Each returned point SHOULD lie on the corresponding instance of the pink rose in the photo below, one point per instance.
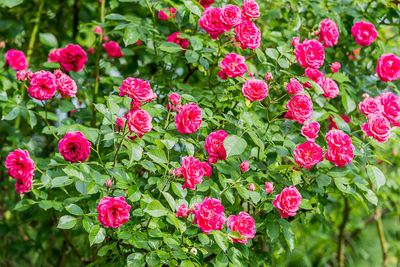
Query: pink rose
(294, 87)
(16, 59)
(113, 211)
(329, 33)
(255, 90)
(388, 68)
(23, 185)
(378, 127)
(207, 169)
(21, 75)
(54, 55)
(193, 172)
(139, 121)
(173, 38)
(252, 187)
(234, 65)
(250, 9)
(20, 165)
(315, 75)
(391, 106)
(108, 183)
(370, 106)
(364, 33)
(119, 125)
(2, 44)
(162, 15)
(269, 187)
(310, 54)
(231, 16)
(43, 85)
(182, 211)
(66, 86)
(206, 3)
(308, 154)
(269, 76)
(341, 149)
(211, 22)
(90, 50)
(174, 98)
(335, 67)
(212, 159)
(188, 120)
(136, 89)
(209, 215)
(244, 166)
(248, 35)
(244, 224)
(310, 130)
(98, 30)
(331, 89)
(215, 145)
(113, 49)
(72, 58)
(74, 147)
(295, 41)
(300, 109)
(222, 75)
(288, 201)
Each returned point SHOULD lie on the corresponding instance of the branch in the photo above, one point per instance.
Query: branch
(342, 227)
(382, 238)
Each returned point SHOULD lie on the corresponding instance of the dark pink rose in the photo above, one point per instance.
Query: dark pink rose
(308, 154)
(21, 75)
(212, 159)
(98, 30)
(310, 54)
(20, 165)
(113, 211)
(174, 98)
(182, 211)
(331, 89)
(244, 224)
(222, 75)
(211, 22)
(72, 58)
(250, 9)
(215, 145)
(390, 106)
(329, 33)
(206, 3)
(119, 125)
(108, 183)
(16, 59)
(188, 120)
(288, 201)
(248, 35)
(74, 147)
(341, 149)
(113, 49)
(315, 75)
(388, 68)
(234, 65)
(252, 187)
(162, 15)
(269, 187)
(193, 172)
(335, 67)
(23, 185)
(209, 215)
(378, 127)
(43, 85)
(300, 109)
(66, 86)
(255, 90)
(139, 121)
(207, 169)
(136, 89)
(310, 130)
(244, 166)
(173, 38)
(231, 16)
(268, 76)
(295, 41)
(294, 87)
(364, 33)
(370, 106)
(54, 55)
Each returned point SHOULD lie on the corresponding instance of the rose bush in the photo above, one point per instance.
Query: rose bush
(199, 133)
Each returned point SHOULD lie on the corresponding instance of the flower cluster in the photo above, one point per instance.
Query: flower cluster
(341, 149)
(21, 167)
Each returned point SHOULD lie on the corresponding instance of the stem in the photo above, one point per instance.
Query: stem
(47, 122)
(382, 238)
(97, 70)
(120, 145)
(341, 247)
(167, 122)
(154, 27)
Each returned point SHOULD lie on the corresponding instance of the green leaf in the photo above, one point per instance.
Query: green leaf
(66, 222)
(177, 188)
(288, 234)
(222, 260)
(131, 36)
(12, 114)
(376, 176)
(193, 8)
(234, 145)
(221, 239)
(97, 235)
(340, 77)
(348, 103)
(157, 155)
(323, 180)
(135, 152)
(273, 230)
(10, 3)
(48, 39)
(272, 53)
(191, 56)
(156, 209)
(74, 209)
(318, 89)
(135, 260)
(170, 47)
(170, 199)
